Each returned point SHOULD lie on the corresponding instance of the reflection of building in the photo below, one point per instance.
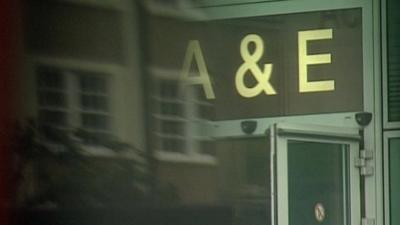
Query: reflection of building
(81, 78)
(81, 86)
(67, 95)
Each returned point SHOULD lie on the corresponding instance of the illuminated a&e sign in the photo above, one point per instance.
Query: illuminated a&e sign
(303, 63)
(262, 75)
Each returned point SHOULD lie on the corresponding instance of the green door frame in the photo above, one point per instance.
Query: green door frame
(280, 136)
(387, 137)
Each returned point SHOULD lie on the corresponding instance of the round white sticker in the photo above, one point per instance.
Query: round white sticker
(319, 212)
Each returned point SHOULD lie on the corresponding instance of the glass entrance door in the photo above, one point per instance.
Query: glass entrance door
(314, 179)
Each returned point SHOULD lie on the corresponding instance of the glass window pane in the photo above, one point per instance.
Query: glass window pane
(394, 180)
(168, 89)
(55, 118)
(393, 47)
(168, 108)
(173, 127)
(94, 102)
(52, 98)
(95, 121)
(317, 176)
(92, 83)
(48, 77)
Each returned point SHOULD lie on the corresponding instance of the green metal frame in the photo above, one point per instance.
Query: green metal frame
(281, 134)
(387, 136)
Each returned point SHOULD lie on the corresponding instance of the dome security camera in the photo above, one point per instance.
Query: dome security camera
(363, 118)
(248, 126)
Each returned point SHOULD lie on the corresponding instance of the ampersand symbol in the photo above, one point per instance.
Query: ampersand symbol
(250, 64)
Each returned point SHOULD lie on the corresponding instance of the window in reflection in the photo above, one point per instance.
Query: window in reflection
(70, 99)
(180, 119)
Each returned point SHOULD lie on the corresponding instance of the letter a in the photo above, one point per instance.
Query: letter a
(193, 50)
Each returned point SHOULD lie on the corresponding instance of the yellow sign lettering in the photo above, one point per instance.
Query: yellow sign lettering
(305, 60)
(250, 64)
(202, 78)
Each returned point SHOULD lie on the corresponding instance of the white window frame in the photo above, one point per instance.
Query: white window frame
(190, 120)
(110, 70)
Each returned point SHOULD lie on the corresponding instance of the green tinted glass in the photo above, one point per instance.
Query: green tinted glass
(394, 179)
(393, 44)
(244, 179)
(318, 183)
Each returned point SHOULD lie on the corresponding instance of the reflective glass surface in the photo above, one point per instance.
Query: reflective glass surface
(393, 62)
(394, 180)
(119, 105)
(318, 185)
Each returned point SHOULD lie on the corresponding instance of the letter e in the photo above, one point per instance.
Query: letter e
(305, 60)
